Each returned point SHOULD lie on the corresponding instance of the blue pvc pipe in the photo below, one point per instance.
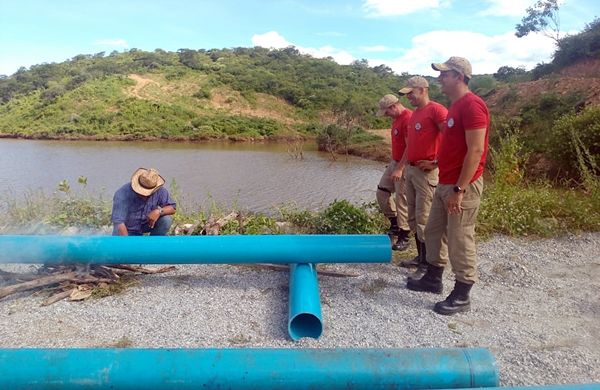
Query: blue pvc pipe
(278, 249)
(184, 369)
(304, 319)
(589, 386)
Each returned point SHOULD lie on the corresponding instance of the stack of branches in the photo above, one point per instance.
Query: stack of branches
(212, 227)
(76, 281)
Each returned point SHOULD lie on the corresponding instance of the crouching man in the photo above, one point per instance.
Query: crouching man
(143, 206)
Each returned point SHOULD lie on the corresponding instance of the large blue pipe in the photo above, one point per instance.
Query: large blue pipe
(184, 369)
(278, 249)
(304, 318)
(588, 386)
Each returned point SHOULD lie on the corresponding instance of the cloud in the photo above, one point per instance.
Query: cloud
(274, 40)
(271, 40)
(506, 8)
(486, 53)
(339, 56)
(383, 8)
(112, 42)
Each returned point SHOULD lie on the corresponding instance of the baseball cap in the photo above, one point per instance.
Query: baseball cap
(459, 64)
(386, 102)
(414, 82)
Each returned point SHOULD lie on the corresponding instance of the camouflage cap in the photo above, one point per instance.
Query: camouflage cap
(414, 82)
(459, 64)
(386, 102)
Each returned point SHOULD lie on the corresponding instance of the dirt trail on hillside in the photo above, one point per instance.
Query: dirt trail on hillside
(274, 108)
(140, 83)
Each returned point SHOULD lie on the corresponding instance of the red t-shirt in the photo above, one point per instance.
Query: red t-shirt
(423, 132)
(467, 113)
(399, 134)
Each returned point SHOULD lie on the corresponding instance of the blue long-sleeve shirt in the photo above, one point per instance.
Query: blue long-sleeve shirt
(132, 210)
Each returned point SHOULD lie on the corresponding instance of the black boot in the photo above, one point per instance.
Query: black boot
(418, 258)
(430, 282)
(402, 241)
(394, 229)
(422, 265)
(457, 302)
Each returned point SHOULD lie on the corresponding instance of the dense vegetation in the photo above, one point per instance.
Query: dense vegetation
(92, 96)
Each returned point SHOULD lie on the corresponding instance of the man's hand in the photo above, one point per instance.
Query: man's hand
(153, 216)
(426, 165)
(122, 229)
(454, 203)
(397, 174)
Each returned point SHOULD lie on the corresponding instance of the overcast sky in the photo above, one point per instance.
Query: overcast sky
(405, 35)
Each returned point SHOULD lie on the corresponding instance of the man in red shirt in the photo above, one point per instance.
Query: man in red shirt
(421, 173)
(391, 181)
(461, 160)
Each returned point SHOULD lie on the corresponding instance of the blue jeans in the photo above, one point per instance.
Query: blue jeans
(161, 227)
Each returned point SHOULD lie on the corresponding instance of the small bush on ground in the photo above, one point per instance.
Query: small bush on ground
(575, 141)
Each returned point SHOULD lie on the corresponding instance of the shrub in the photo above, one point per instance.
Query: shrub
(342, 217)
(575, 141)
(482, 85)
(578, 47)
(333, 138)
(203, 94)
(508, 156)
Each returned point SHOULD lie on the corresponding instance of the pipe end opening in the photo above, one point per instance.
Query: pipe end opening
(305, 325)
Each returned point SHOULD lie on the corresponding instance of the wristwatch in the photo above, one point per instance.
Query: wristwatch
(459, 190)
(160, 210)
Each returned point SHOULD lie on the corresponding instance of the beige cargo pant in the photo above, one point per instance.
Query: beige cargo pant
(419, 187)
(392, 206)
(458, 231)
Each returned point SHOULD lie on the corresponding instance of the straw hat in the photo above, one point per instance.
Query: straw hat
(146, 181)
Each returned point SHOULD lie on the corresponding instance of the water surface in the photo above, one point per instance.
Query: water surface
(256, 177)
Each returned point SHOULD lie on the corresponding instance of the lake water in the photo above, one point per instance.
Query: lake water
(255, 177)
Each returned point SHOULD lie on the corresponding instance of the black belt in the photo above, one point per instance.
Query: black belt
(414, 163)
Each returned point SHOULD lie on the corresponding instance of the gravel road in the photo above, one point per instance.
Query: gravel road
(536, 307)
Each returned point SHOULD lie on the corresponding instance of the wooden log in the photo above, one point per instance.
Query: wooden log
(58, 297)
(143, 270)
(212, 226)
(285, 268)
(41, 282)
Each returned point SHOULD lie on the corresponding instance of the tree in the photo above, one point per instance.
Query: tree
(541, 17)
(506, 73)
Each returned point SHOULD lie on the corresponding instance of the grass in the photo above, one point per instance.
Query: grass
(125, 282)
(514, 207)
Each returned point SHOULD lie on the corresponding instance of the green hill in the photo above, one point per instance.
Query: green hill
(242, 93)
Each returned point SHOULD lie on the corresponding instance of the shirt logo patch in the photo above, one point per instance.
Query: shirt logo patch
(396, 132)
(450, 122)
(418, 126)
